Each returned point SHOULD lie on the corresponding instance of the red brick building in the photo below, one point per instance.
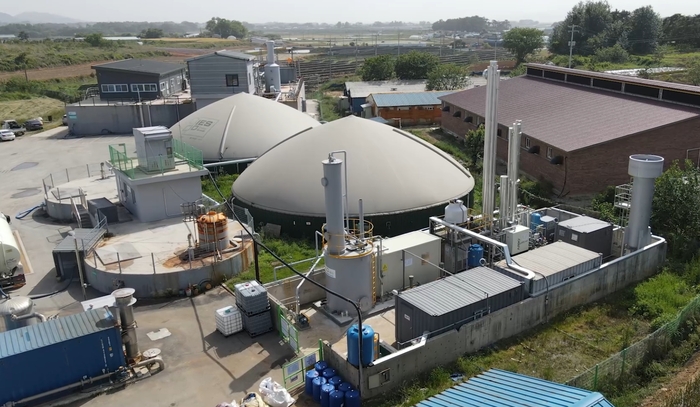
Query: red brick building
(408, 109)
(580, 127)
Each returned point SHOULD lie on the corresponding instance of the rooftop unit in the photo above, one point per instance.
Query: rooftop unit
(588, 233)
(154, 148)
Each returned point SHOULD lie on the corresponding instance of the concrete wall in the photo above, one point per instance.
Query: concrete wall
(394, 370)
(150, 202)
(101, 119)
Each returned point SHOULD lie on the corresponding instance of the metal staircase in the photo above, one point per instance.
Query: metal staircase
(83, 217)
(623, 202)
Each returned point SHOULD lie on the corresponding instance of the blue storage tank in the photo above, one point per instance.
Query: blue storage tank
(535, 220)
(337, 398)
(43, 357)
(326, 391)
(354, 345)
(328, 373)
(352, 398)
(344, 387)
(320, 367)
(474, 256)
(308, 383)
(335, 380)
(317, 383)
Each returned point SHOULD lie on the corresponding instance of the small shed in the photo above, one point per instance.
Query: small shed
(498, 388)
(588, 233)
(453, 301)
(64, 256)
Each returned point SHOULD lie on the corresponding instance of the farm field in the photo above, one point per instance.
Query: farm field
(22, 110)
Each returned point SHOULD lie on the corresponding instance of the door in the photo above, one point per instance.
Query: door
(406, 331)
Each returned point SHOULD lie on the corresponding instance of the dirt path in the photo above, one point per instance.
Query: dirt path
(680, 379)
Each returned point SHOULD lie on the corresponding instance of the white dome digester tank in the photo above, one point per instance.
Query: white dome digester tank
(349, 257)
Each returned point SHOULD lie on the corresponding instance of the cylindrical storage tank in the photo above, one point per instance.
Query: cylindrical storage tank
(337, 398)
(213, 231)
(535, 220)
(9, 250)
(474, 256)
(332, 183)
(345, 387)
(456, 212)
(308, 384)
(16, 306)
(351, 276)
(644, 170)
(320, 367)
(335, 381)
(328, 373)
(326, 391)
(316, 392)
(354, 345)
(352, 398)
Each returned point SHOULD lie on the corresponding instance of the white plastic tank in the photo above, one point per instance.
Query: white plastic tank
(456, 212)
(9, 250)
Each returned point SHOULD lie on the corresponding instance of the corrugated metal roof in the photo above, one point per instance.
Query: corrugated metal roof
(226, 53)
(548, 108)
(52, 332)
(86, 235)
(552, 258)
(584, 224)
(142, 66)
(458, 291)
(498, 388)
(364, 89)
(408, 99)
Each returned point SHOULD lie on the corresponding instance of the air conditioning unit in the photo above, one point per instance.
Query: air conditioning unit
(518, 239)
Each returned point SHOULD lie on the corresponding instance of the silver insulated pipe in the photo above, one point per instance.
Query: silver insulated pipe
(270, 52)
(332, 182)
(644, 170)
(513, 169)
(490, 133)
(125, 302)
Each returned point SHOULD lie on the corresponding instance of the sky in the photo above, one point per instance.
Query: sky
(366, 11)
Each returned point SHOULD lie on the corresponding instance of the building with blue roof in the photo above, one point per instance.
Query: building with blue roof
(499, 388)
(406, 108)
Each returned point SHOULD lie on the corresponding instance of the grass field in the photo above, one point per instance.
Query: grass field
(22, 110)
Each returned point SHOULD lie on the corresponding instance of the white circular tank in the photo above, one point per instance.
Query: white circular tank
(456, 212)
(17, 307)
(9, 250)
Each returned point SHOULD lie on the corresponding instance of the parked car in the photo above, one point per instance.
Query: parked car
(64, 120)
(33, 124)
(7, 135)
(13, 126)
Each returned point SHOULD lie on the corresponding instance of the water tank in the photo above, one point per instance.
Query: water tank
(326, 391)
(17, 306)
(308, 383)
(317, 383)
(337, 398)
(476, 253)
(456, 212)
(213, 231)
(350, 275)
(352, 398)
(9, 250)
(535, 221)
(354, 345)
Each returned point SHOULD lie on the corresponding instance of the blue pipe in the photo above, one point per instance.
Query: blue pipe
(24, 214)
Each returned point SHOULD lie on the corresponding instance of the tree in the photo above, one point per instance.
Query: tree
(693, 72)
(23, 36)
(225, 28)
(23, 60)
(615, 54)
(645, 31)
(95, 39)
(448, 77)
(415, 65)
(379, 68)
(592, 20)
(499, 26)
(152, 33)
(474, 146)
(469, 24)
(523, 41)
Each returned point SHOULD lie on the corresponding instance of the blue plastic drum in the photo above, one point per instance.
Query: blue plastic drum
(335, 381)
(337, 398)
(317, 383)
(344, 387)
(326, 391)
(352, 398)
(328, 373)
(320, 367)
(308, 384)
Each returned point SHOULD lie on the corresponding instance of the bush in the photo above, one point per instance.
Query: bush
(660, 298)
(576, 61)
(615, 54)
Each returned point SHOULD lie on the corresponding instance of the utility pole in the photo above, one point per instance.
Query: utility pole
(572, 43)
(398, 45)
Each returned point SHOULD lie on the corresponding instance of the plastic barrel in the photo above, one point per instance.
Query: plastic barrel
(317, 383)
(337, 398)
(474, 256)
(344, 387)
(335, 381)
(535, 220)
(367, 345)
(308, 384)
(352, 398)
(326, 391)
(328, 373)
(320, 366)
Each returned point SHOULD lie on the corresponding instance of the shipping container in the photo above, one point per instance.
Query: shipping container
(588, 233)
(44, 357)
(453, 301)
(557, 262)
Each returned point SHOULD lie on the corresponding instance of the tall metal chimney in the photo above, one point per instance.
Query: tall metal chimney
(273, 80)
(514, 141)
(644, 170)
(504, 193)
(270, 52)
(491, 125)
(125, 302)
(332, 182)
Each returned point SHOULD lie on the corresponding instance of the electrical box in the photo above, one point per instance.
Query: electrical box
(549, 223)
(154, 148)
(518, 239)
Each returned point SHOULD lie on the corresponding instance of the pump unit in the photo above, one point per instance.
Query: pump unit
(518, 239)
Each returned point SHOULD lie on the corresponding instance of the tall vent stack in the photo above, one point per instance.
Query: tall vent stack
(332, 182)
(644, 170)
(125, 302)
(489, 162)
(273, 79)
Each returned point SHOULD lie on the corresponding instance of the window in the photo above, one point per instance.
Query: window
(114, 88)
(499, 133)
(527, 142)
(428, 107)
(179, 80)
(550, 153)
(478, 121)
(231, 80)
(402, 108)
(172, 82)
(469, 119)
(144, 87)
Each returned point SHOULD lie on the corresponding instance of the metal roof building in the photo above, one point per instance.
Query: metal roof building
(240, 126)
(357, 92)
(498, 388)
(401, 179)
(140, 66)
(408, 99)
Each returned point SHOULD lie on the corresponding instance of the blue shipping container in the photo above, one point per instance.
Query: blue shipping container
(56, 353)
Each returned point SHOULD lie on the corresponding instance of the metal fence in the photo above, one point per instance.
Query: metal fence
(72, 174)
(622, 367)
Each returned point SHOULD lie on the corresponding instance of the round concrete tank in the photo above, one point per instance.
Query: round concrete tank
(213, 231)
(644, 170)
(11, 309)
(351, 276)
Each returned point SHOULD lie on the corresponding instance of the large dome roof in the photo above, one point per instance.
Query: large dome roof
(240, 126)
(390, 170)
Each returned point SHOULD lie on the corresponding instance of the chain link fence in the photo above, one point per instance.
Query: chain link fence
(622, 367)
